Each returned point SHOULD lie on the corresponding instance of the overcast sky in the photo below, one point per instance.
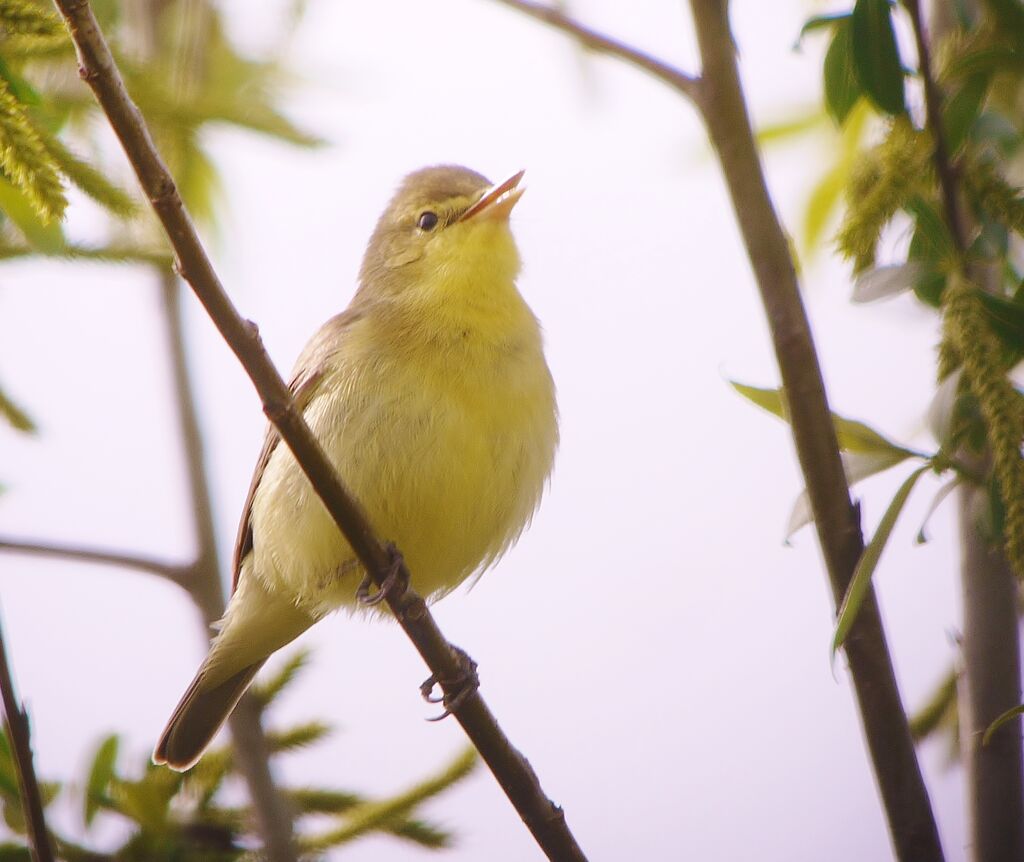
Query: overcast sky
(650, 644)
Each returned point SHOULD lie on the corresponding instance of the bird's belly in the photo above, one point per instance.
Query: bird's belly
(449, 473)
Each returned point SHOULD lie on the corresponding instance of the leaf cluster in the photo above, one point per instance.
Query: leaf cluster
(186, 816)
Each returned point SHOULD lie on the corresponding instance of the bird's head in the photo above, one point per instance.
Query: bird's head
(445, 232)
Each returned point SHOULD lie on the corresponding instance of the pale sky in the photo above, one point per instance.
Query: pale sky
(650, 644)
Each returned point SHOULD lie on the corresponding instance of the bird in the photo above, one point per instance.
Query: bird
(431, 396)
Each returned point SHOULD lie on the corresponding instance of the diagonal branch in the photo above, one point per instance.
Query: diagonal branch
(17, 727)
(544, 819)
(178, 574)
(602, 44)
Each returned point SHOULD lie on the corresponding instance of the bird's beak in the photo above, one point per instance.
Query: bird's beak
(497, 202)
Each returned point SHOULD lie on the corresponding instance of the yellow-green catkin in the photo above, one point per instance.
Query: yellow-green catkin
(995, 195)
(984, 372)
(888, 176)
(27, 18)
(25, 161)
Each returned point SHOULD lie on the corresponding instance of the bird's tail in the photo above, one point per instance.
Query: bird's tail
(256, 624)
(198, 717)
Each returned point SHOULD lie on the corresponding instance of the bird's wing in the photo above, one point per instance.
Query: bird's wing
(308, 373)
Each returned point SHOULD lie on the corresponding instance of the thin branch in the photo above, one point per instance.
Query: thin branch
(178, 574)
(602, 44)
(16, 725)
(719, 97)
(543, 818)
(933, 118)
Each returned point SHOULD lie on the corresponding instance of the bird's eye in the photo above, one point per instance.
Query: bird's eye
(427, 220)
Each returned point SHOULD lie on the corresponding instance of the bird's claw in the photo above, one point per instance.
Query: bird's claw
(454, 691)
(394, 584)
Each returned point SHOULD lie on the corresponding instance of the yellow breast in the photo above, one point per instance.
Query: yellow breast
(446, 438)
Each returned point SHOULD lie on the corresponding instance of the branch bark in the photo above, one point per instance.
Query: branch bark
(177, 574)
(16, 725)
(544, 819)
(602, 44)
(990, 682)
(718, 95)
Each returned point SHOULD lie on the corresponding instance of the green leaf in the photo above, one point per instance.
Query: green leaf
(1005, 718)
(1010, 15)
(47, 238)
(268, 690)
(853, 436)
(822, 203)
(100, 774)
(937, 500)
(857, 467)
(25, 161)
(962, 109)
(842, 88)
(297, 737)
(936, 712)
(15, 416)
(882, 282)
(861, 581)
(384, 815)
(821, 22)
(14, 853)
(90, 180)
(790, 128)
(932, 247)
(1006, 318)
(876, 57)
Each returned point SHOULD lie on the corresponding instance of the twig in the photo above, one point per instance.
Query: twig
(178, 574)
(544, 819)
(602, 44)
(16, 725)
(271, 810)
(933, 118)
(718, 95)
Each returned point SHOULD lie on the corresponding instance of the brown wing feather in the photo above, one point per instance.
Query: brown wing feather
(306, 377)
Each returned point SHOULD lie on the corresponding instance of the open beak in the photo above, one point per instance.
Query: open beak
(498, 201)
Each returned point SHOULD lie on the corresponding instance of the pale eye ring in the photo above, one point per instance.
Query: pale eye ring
(427, 220)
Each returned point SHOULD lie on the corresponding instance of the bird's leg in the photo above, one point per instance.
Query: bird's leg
(394, 584)
(454, 691)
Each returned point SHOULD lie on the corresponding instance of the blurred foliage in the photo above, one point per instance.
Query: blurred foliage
(171, 816)
(893, 230)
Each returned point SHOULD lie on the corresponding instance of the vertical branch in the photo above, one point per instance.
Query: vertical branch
(989, 686)
(16, 725)
(273, 816)
(990, 682)
(911, 821)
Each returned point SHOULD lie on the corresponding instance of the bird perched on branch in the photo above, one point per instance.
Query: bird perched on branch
(431, 397)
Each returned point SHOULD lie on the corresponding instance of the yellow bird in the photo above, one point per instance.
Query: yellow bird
(432, 398)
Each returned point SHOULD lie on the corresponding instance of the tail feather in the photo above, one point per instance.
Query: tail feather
(198, 717)
(257, 623)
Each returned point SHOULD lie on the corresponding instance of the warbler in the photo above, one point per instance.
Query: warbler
(431, 397)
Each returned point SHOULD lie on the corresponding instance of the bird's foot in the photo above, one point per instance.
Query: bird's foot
(394, 584)
(454, 691)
